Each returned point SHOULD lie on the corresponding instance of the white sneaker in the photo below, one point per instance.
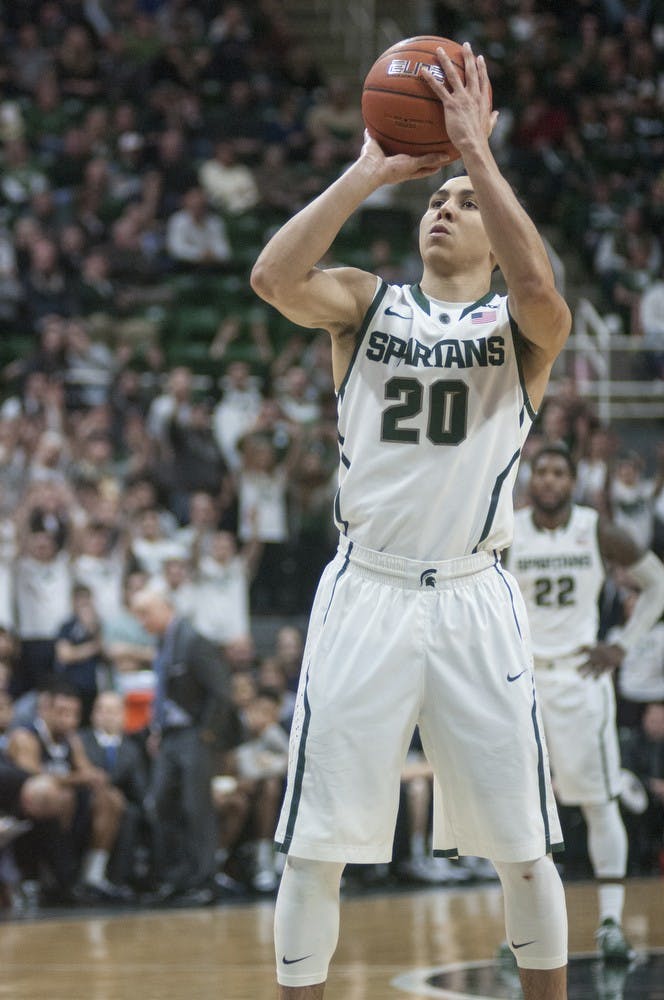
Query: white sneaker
(265, 880)
(433, 871)
(480, 868)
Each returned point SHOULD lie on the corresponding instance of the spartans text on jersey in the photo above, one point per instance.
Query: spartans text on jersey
(449, 353)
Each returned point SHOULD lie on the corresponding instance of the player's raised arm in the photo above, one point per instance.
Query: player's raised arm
(540, 312)
(286, 273)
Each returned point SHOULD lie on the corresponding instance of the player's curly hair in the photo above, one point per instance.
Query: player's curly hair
(561, 450)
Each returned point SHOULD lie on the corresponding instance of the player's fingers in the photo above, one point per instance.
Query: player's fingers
(482, 74)
(451, 72)
(436, 84)
(471, 69)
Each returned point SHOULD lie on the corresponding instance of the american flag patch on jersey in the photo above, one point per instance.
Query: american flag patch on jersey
(484, 316)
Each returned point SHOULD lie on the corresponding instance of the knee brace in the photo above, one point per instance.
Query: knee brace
(535, 914)
(306, 920)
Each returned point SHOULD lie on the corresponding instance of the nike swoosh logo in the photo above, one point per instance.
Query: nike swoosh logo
(523, 944)
(293, 961)
(390, 312)
(514, 677)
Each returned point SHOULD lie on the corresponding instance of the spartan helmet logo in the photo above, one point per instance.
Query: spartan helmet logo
(428, 578)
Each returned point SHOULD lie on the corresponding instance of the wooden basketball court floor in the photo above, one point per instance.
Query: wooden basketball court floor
(225, 952)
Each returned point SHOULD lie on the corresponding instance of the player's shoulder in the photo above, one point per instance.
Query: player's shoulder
(582, 514)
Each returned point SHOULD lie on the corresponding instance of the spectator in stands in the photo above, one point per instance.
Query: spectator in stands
(99, 564)
(651, 324)
(593, 470)
(195, 537)
(175, 583)
(127, 646)
(195, 237)
(336, 116)
(631, 498)
(79, 654)
(228, 183)
(43, 602)
(297, 397)
(21, 177)
(262, 517)
(173, 161)
(222, 578)
(77, 67)
(46, 287)
(150, 545)
(90, 367)
(237, 410)
(197, 463)
(176, 398)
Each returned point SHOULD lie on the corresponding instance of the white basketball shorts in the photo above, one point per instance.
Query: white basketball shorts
(579, 716)
(393, 643)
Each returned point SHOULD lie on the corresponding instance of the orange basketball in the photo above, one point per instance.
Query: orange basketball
(399, 108)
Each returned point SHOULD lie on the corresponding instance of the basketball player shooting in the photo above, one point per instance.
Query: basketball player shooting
(558, 557)
(415, 621)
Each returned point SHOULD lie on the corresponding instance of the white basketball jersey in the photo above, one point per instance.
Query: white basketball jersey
(433, 414)
(560, 574)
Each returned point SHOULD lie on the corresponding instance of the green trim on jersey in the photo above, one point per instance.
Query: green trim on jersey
(371, 312)
(299, 776)
(420, 298)
(495, 497)
(541, 780)
(610, 794)
(484, 301)
(516, 338)
(424, 303)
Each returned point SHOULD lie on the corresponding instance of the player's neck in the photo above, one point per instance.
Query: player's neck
(550, 520)
(466, 287)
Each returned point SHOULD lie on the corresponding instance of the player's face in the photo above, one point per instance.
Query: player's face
(551, 484)
(451, 228)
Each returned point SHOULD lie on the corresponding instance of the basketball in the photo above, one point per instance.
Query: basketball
(400, 110)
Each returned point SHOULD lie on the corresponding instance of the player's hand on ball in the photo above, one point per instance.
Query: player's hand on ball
(394, 169)
(468, 114)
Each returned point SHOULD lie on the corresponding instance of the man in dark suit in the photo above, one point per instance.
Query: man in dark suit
(108, 747)
(191, 701)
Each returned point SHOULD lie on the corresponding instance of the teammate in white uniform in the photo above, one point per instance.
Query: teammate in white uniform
(558, 556)
(415, 621)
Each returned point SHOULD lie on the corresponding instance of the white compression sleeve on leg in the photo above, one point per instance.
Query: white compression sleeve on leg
(535, 914)
(607, 840)
(306, 921)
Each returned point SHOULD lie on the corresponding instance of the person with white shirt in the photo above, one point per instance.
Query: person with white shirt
(221, 589)
(228, 183)
(100, 568)
(43, 583)
(196, 237)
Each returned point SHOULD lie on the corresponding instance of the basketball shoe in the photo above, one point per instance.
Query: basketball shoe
(612, 943)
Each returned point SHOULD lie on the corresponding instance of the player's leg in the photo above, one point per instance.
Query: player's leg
(306, 926)
(536, 925)
(607, 849)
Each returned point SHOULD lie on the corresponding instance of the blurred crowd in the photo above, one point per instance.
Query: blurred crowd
(161, 431)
